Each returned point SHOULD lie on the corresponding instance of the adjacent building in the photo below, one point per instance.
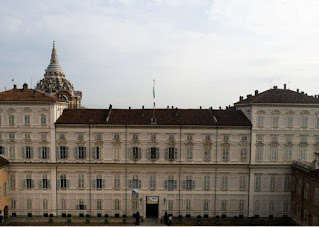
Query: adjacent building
(4, 187)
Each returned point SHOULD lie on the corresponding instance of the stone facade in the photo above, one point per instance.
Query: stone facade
(4, 187)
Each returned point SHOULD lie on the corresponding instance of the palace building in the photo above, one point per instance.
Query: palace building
(227, 162)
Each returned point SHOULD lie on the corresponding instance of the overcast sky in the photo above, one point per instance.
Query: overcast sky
(200, 52)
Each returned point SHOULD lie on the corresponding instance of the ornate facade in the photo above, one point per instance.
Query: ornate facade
(189, 162)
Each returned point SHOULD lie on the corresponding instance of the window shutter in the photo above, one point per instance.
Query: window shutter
(184, 184)
(165, 186)
(103, 183)
(175, 184)
(157, 153)
(94, 183)
(193, 184)
(23, 152)
(191, 153)
(166, 153)
(66, 152)
(58, 183)
(32, 183)
(84, 152)
(129, 183)
(39, 153)
(94, 153)
(148, 153)
(175, 153)
(40, 184)
(24, 183)
(278, 184)
(31, 152)
(130, 153)
(67, 183)
(139, 153)
(48, 183)
(76, 153)
(48, 152)
(139, 184)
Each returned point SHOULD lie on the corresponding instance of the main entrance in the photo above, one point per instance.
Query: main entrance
(152, 206)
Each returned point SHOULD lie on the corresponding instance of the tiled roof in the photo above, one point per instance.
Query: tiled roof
(83, 116)
(25, 95)
(229, 117)
(276, 95)
(3, 161)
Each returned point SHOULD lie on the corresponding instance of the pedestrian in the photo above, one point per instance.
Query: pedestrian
(165, 218)
(137, 217)
(170, 218)
(1, 216)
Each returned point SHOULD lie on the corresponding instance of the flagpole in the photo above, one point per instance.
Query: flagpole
(154, 105)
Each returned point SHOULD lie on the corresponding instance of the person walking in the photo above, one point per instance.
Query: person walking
(165, 218)
(137, 217)
(1, 216)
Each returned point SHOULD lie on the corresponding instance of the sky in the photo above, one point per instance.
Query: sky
(200, 52)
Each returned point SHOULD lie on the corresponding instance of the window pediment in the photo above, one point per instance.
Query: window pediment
(261, 112)
(11, 110)
(43, 110)
(304, 112)
(275, 112)
(290, 112)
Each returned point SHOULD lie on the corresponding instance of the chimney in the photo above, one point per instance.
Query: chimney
(34, 93)
(298, 90)
(142, 107)
(167, 107)
(256, 92)
(285, 86)
(25, 86)
(241, 98)
(249, 96)
(172, 107)
(110, 107)
(129, 107)
(220, 107)
(275, 87)
(14, 86)
(200, 107)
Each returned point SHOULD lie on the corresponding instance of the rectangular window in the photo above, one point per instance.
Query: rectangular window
(206, 205)
(226, 138)
(100, 183)
(11, 119)
(170, 205)
(12, 181)
(272, 183)
(26, 119)
(136, 152)
(317, 139)
(135, 182)
(189, 137)
(81, 181)
(303, 139)
(288, 138)
(153, 153)
(116, 204)
(189, 184)
(28, 181)
(225, 154)
(29, 204)
(304, 123)
(273, 154)
(152, 182)
(224, 205)
(287, 183)
(257, 183)
(274, 138)
(43, 136)
(170, 184)
(224, 183)
(98, 136)
(207, 155)
(117, 181)
(259, 154)
(44, 182)
(63, 182)
(44, 153)
(81, 152)
(290, 121)
(11, 136)
(62, 136)
(99, 204)
(43, 119)
(13, 204)
(12, 154)
(1, 150)
(260, 138)
(241, 205)
(116, 151)
(257, 205)
(97, 153)
(275, 121)
(80, 136)
(288, 154)
(27, 136)
(189, 153)
(303, 154)
(242, 183)
(206, 182)
(153, 136)
(207, 137)
(171, 137)
(27, 152)
(63, 204)
(243, 154)
(260, 121)
(171, 153)
(63, 152)
(135, 137)
(45, 204)
(116, 137)
(244, 138)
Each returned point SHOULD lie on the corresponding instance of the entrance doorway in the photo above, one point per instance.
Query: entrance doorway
(152, 206)
(6, 212)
